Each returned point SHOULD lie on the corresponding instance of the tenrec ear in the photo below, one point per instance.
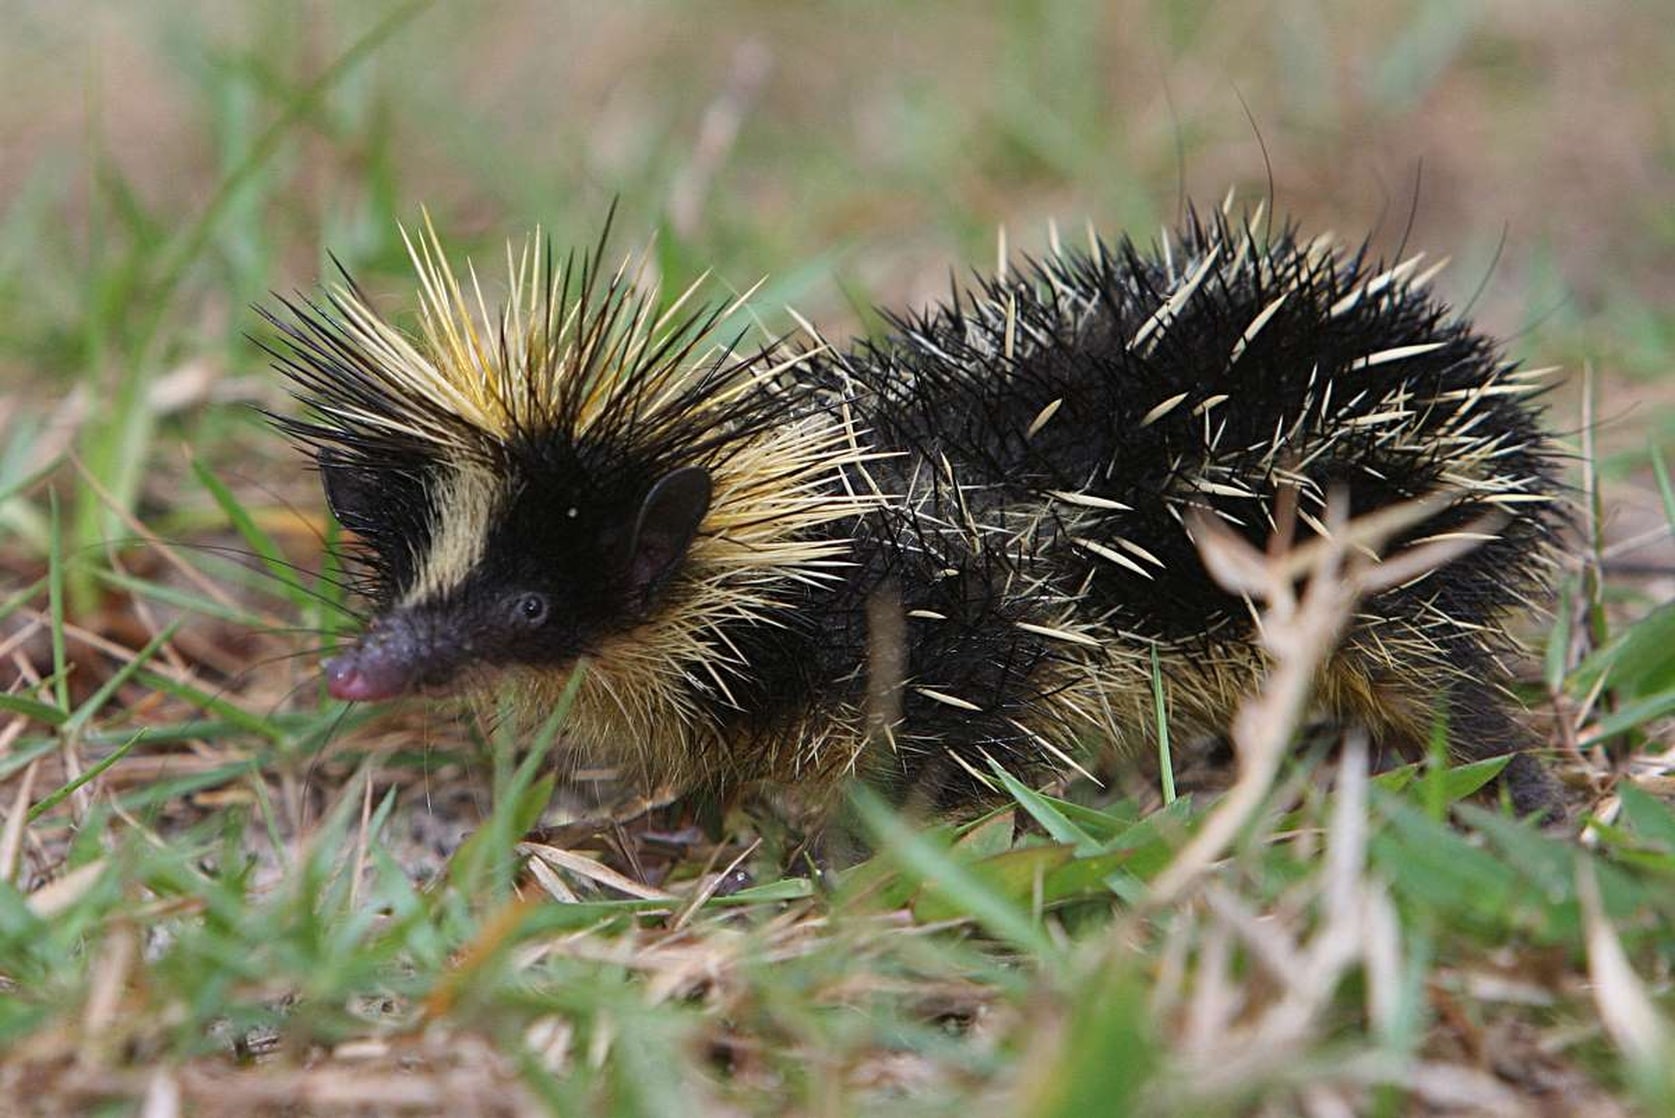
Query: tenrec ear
(669, 518)
(352, 492)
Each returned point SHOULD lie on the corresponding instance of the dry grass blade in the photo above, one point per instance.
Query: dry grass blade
(11, 836)
(1299, 635)
(1625, 1005)
(592, 869)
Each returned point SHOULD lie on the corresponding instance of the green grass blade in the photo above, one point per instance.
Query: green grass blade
(936, 869)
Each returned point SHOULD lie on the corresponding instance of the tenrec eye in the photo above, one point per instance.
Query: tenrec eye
(531, 610)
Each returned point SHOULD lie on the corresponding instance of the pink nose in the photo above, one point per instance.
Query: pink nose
(386, 662)
(345, 680)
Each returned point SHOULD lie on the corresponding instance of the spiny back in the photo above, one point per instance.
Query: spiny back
(1087, 400)
(1049, 431)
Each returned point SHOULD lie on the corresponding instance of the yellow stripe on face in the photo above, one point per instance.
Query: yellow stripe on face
(464, 510)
